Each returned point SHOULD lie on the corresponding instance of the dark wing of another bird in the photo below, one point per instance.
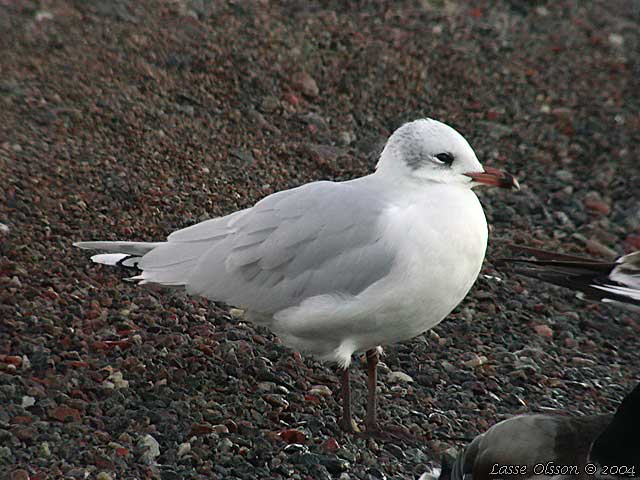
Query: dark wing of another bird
(610, 282)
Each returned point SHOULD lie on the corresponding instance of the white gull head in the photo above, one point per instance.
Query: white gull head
(429, 151)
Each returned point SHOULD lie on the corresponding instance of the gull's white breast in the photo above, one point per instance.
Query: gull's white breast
(440, 253)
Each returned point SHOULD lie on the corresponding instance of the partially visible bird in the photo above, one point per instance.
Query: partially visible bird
(336, 268)
(616, 282)
(537, 443)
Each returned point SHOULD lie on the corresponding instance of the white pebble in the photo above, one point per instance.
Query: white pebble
(183, 449)
(616, 39)
(150, 449)
(399, 377)
(320, 391)
(476, 361)
(26, 363)
(118, 381)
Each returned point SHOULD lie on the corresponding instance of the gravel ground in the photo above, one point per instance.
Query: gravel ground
(128, 120)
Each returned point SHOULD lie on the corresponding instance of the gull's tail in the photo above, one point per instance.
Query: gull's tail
(610, 282)
(123, 254)
(171, 271)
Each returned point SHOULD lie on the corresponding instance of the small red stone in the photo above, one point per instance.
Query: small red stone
(207, 350)
(543, 330)
(597, 205)
(293, 436)
(103, 462)
(110, 344)
(312, 399)
(291, 98)
(22, 419)
(199, 429)
(78, 364)
(11, 360)
(122, 452)
(50, 293)
(77, 394)
(65, 414)
(331, 445)
(633, 241)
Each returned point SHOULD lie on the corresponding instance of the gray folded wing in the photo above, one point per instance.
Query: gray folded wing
(321, 238)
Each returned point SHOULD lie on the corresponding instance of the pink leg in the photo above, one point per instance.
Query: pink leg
(346, 422)
(371, 421)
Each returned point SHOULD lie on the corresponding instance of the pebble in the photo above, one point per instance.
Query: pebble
(476, 361)
(42, 15)
(616, 39)
(20, 474)
(448, 366)
(596, 247)
(28, 401)
(220, 429)
(562, 218)
(564, 175)
(276, 400)
(183, 449)
(6, 456)
(269, 104)
(542, 11)
(293, 436)
(303, 82)
(582, 362)
(266, 386)
(45, 451)
(320, 391)
(633, 241)
(399, 377)
(65, 414)
(225, 445)
(594, 203)
(543, 331)
(150, 449)
(117, 380)
(345, 138)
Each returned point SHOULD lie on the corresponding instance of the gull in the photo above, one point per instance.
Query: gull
(543, 445)
(337, 268)
(615, 282)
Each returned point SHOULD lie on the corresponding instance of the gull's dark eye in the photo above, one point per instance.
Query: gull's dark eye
(445, 158)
